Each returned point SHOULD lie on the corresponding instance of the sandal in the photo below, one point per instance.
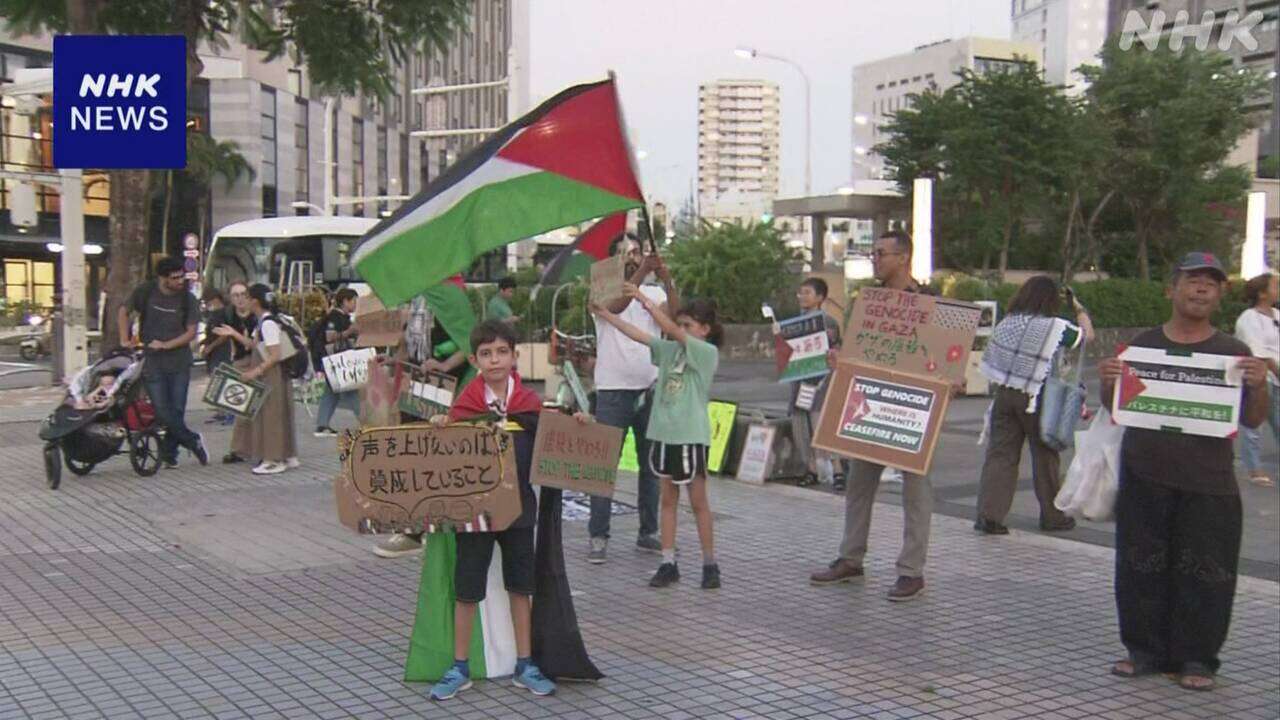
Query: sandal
(1262, 480)
(1129, 668)
(1196, 677)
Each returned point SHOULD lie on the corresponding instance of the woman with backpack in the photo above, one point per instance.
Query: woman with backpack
(1019, 358)
(269, 436)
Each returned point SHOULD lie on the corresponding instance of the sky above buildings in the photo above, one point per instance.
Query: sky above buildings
(662, 50)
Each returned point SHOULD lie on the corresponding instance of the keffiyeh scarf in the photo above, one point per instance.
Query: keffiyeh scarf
(1020, 353)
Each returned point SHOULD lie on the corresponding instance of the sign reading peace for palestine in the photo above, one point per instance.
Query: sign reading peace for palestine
(1195, 393)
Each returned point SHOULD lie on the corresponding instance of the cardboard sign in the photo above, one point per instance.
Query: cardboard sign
(228, 391)
(757, 453)
(607, 278)
(427, 393)
(348, 370)
(419, 478)
(886, 417)
(378, 326)
(805, 354)
(911, 333)
(1197, 394)
(990, 316)
(573, 456)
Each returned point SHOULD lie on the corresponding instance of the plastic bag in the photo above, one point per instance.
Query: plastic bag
(1093, 479)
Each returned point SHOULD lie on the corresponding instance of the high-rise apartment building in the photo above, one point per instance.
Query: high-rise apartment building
(1163, 15)
(738, 141)
(1070, 34)
(882, 87)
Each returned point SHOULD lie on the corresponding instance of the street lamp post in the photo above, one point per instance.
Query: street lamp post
(752, 53)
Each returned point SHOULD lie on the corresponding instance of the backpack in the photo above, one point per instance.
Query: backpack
(298, 365)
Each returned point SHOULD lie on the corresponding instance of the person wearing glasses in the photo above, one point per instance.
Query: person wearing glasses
(241, 319)
(167, 317)
(891, 261)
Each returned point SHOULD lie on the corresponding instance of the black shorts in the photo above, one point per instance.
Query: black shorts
(681, 463)
(475, 552)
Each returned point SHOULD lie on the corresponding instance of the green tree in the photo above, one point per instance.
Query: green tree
(1172, 118)
(209, 159)
(738, 266)
(348, 47)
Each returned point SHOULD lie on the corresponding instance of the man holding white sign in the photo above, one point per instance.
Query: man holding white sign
(1178, 513)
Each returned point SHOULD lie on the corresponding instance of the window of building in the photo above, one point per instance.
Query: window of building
(404, 164)
(357, 163)
(295, 81)
(29, 281)
(302, 150)
(424, 164)
(269, 174)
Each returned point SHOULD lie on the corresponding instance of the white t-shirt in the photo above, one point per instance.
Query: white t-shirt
(1261, 333)
(269, 332)
(623, 363)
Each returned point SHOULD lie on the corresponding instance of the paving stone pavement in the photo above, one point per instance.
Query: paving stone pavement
(212, 593)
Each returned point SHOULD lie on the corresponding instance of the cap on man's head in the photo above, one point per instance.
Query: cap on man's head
(1202, 261)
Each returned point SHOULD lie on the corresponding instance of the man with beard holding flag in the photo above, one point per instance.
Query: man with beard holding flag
(461, 631)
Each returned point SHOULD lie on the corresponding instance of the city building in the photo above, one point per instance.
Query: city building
(882, 87)
(1070, 34)
(1142, 14)
(738, 141)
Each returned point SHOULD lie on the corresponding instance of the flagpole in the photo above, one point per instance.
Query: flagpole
(646, 227)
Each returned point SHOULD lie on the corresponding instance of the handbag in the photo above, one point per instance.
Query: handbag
(1093, 478)
(1061, 404)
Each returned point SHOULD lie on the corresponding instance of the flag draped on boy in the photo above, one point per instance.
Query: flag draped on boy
(558, 648)
(564, 162)
(591, 246)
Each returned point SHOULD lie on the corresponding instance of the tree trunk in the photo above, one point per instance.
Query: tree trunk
(168, 210)
(1068, 266)
(1005, 243)
(1140, 230)
(128, 229)
(82, 16)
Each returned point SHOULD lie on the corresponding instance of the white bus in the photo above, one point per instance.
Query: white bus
(263, 250)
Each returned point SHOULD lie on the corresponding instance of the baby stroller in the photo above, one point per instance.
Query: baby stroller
(105, 408)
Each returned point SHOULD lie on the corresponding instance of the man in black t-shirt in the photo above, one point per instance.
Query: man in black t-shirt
(167, 317)
(1178, 515)
(338, 330)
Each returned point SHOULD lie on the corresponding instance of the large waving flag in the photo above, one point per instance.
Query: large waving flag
(565, 162)
(589, 247)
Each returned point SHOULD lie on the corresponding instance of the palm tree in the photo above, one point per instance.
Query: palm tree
(207, 158)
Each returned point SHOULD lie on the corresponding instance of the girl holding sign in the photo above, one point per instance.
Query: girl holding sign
(679, 431)
(269, 435)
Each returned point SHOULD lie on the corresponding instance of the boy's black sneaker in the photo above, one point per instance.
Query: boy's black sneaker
(710, 577)
(667, 574)
(202, 455)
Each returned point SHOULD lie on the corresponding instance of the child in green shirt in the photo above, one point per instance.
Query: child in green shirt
(679, 431)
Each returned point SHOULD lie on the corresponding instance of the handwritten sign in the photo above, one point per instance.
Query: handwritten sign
(805, 354)
(378, 326)
(573, 456)
(418, 478)
(348, 370)
(757, 453)
(911, 333)
(227, 390)
(886, 417)
(721, 415)
(1197, 394)
(427, 393)
(607, 278)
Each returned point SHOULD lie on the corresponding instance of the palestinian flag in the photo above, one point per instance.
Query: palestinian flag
(563, 163)
(591, 246)
(451, 308)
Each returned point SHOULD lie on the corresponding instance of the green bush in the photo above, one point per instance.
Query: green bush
(738, 266)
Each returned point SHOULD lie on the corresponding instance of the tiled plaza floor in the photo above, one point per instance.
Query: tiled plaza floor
(212, 593)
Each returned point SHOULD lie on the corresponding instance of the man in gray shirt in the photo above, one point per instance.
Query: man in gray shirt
(167, 315)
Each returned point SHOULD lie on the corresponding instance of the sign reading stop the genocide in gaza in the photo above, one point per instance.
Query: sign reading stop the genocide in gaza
(911, 333)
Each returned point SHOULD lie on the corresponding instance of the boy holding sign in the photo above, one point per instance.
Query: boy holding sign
(1178, 514)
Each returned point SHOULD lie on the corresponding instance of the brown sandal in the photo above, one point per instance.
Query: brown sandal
(1199, 683)
(1128, 668)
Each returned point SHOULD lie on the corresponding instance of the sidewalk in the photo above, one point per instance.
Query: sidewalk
(212, 593)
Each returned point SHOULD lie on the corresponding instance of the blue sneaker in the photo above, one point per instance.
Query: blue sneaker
(451, 684)
(534, 681)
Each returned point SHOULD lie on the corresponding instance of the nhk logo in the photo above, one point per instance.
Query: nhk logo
(119, 101)
(1234, 29)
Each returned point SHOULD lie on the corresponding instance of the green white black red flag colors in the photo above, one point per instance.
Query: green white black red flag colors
(565, 162)
(591, 246)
